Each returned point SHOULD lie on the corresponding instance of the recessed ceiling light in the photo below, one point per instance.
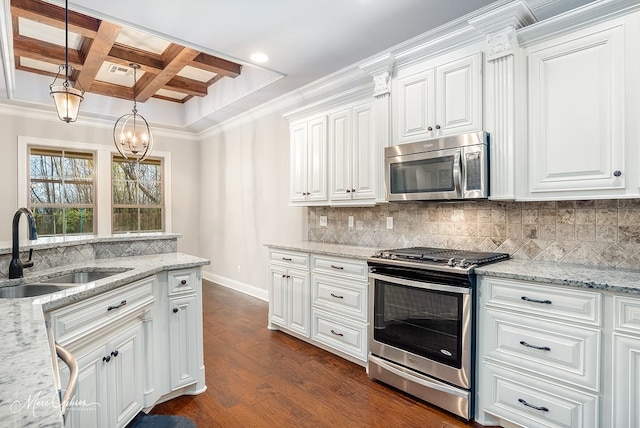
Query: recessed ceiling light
(259, 57)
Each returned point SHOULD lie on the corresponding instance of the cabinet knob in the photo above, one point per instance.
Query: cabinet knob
(106, 359)
(617, 173)
(183, 282)
(114, 353)
(430, 129)
(437, 126)
(348, 191)
(353, 190)
(175, 310)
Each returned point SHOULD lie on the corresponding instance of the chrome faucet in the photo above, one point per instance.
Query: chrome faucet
(16, 266)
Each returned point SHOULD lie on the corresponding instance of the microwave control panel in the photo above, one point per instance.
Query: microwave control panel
(473, 162)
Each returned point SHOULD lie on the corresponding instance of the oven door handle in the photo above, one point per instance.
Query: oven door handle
(420, 284)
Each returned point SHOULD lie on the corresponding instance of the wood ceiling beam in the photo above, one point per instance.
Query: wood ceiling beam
(217, 65)
(43, 51)
(187, 86)
(110, 90)
(175, 58)
(125, 55)
(98, 51)
(47, 13)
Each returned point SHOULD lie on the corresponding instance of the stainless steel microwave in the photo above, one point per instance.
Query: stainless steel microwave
(448, 168)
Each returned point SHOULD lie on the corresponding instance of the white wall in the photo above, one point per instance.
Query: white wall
(184, 150)
(245, 200)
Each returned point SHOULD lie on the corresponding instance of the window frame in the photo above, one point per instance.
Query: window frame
(102, 183)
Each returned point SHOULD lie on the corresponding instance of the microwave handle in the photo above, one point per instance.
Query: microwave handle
(457, 172)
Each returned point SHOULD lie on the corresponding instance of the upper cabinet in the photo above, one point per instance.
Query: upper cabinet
(582, 114)
(309, 161)
(433, 99)
(354, 156)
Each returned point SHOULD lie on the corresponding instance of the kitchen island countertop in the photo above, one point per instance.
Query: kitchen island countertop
(28, 395)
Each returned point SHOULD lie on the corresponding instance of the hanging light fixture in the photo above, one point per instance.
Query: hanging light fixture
(131, 133)
(65, 96)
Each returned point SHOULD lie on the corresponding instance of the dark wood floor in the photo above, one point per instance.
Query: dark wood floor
(261, 378)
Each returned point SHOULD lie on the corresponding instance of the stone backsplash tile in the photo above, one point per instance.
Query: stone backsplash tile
(594, 233)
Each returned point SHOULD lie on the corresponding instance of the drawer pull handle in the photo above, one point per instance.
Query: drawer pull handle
(336, 296)
(124, 302)
(541, 348)
(545, 302)
(337, 267)
(287, 259)
(337, 334)
(544, 409)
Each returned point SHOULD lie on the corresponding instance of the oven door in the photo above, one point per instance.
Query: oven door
(425, 326)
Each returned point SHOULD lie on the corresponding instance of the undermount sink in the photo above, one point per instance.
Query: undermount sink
(31, 290)
(82, 277)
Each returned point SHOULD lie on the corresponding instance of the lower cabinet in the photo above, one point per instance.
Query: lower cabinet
(321, 299)
(135, 346)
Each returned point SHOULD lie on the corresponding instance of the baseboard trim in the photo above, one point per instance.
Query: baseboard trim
(249, 289)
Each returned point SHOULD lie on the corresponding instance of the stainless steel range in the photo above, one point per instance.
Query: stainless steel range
(422, 330)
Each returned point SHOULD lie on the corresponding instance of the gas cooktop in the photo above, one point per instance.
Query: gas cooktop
(425, 256)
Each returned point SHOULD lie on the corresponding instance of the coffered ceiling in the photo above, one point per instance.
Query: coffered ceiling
(195, 55)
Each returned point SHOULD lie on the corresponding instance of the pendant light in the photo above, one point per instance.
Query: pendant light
(65, 96)
(131, 133)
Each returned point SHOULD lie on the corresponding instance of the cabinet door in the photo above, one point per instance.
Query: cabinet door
(576, 114)
(89, 406)
(125, 375)
(317, 159)
(365, 153)
(414, 107)
(277, 295)
(459, 96)
(182, 341)
(340, 155)
(298, 173)
(626, 381)
(299, 304)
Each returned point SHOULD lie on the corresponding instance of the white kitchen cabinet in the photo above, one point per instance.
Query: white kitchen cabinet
(354, 156)
(309, 161)
(110, 379)
(435, 99)
(580, 119)
(539, 354)
(626, 362)
(289, 304)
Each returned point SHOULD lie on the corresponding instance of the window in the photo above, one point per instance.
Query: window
(61, 191)
(137, 202)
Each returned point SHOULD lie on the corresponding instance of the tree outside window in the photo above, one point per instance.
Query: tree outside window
(137, 196)
(61, 191)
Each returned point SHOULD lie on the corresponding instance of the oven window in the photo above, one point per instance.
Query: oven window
(424, 322)
(419, 176)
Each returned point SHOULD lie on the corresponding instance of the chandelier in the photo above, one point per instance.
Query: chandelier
(65, 96)
(131, 133)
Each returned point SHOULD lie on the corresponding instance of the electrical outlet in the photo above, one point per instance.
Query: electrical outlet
(323, 221)
(389, 222)
(350, 222)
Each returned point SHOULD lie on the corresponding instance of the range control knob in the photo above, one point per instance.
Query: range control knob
(463, 263)
(451, 262)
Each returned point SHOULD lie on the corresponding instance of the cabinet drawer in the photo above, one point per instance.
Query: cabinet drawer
(627, 314)
(345, 268)
(562, 352)
(346, 297)
(74, 321)
(289, 258)
(182, 281)
(529, 402)
(346, 336)
(544, 300)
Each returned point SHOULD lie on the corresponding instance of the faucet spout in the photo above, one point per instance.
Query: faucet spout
(16, 267)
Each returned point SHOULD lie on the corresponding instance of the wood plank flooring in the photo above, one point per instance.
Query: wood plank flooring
(261, 378)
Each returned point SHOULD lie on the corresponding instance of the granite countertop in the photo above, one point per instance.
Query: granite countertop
(599, 278)
(28, 395)
(335, 250)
